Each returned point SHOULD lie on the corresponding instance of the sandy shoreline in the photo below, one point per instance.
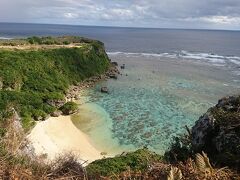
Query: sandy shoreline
(58, 136)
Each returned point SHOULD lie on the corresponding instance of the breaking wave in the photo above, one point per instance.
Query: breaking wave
(214, 58)
(5, 38)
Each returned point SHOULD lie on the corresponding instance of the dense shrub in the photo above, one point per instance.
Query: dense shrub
(138, 160)
(180, 150)
(69, 108)
(30, 78)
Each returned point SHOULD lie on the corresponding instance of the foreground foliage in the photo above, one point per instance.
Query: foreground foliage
(142, 167)
(137, 161)
(217, 132)
(141, 164)
(14, 164)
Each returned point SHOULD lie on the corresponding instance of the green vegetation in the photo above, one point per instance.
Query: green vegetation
(29, 79)
(69, 108)
(180, 150)
(226, 134)
(65, 40)
(34, 82)
(49, 40)
(136, 161)
(217, 133)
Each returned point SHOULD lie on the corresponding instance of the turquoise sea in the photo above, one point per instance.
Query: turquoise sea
(152, 101)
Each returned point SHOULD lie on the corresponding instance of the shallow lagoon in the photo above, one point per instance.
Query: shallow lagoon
(152, 101)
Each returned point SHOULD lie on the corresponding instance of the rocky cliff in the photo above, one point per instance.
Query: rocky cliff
(217, 132)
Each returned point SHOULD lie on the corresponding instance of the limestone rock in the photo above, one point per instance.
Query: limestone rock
(202, 129)
(218, 131)
(56, 102)
(17, 122)
(41, 118)
(115, 63)
(56, 113)
(123, 66)
(1, 84)
(113, 76)
(104, 90)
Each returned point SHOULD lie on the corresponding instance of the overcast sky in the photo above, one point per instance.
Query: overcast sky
(207, 14)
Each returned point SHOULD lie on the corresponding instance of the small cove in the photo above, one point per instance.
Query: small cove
(151, 102)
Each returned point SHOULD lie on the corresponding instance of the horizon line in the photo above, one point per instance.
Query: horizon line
(110, 26)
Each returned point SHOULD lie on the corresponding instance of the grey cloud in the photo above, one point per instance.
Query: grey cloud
(148, 13)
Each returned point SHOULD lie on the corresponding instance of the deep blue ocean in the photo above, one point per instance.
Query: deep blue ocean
(137, 39)
(171, 78)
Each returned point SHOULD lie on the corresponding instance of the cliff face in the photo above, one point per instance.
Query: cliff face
(218, 131)
(32, 75)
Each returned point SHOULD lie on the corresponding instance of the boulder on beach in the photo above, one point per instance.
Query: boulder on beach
(56, 113)
(123, 66)
(41, 117)
(115, 63)
(113, 76)
(104, 90)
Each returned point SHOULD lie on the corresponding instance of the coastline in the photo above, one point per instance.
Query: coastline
(74, 91)
(59, 136)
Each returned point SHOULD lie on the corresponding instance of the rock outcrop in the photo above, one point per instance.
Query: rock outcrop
(113, 76)
(1, 84)
(218, 131)
(56, 113)
(202, 130)
(104, 90)
(73, 92)
(56, 102)
(115, 63)
(123, 66)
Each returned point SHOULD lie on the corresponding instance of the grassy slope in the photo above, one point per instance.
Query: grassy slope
(137, 161)
(29, 78)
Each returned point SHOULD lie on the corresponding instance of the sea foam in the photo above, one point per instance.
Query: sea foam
(209, 58)
(5, 38)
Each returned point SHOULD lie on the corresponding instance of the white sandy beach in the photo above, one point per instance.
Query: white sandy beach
(58, 136)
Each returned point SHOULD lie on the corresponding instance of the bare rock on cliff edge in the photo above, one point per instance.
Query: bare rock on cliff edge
(56, 102)
(113, 76)
(218, 131)
(56, 113)
(114, 63)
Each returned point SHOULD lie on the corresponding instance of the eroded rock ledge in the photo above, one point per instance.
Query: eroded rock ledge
(73, 92)
(217, 132)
